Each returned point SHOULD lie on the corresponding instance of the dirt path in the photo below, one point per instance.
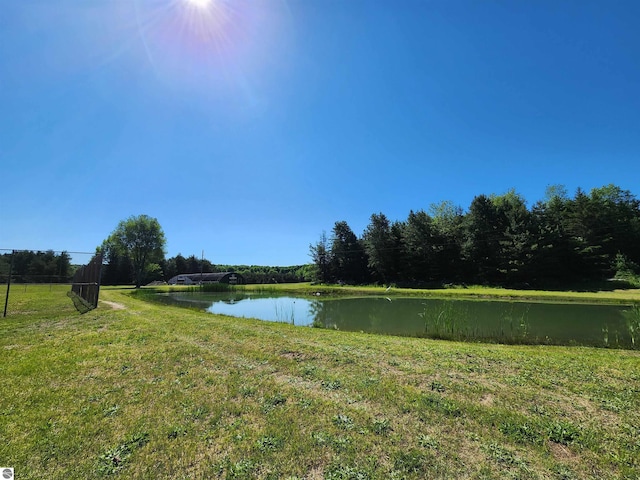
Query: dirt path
(113, 305)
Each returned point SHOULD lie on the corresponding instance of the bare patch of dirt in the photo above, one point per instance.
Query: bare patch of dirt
(294, 355)
(113, 305)
(486, 400)
(562, 453)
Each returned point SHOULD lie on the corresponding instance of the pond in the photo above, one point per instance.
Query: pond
(472, 320)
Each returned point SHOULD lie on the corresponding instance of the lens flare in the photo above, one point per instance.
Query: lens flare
(205, 47)
(199, 3)
(211, 21)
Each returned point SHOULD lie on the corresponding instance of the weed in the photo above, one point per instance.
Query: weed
(321, 438)
(345, 472)
(309, 371)
(111, 411)
(240, 470)
(248, 390)
(268, 443)
(341, 444)
(501, 454)
(442, 405)
(331, 384)
(426, 441)
(115, 459)
(412, 461)
(563, 432)
(176, 431)
(538, 409)
(343, 421)
(437, 386)
(381, 427)
(273, 401)
(198, 413)
(565, 473)
(370, 381)
(522, 432)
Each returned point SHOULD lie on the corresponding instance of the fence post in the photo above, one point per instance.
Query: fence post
(99, 278)
(6, 299)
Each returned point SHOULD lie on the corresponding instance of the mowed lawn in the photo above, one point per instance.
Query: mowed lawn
(139, 390)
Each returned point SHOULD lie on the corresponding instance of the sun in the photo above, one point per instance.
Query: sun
(199, 3)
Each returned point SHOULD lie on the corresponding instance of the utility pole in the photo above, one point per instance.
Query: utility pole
(201, 267)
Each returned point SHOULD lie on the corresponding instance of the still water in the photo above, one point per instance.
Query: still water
(493, 321)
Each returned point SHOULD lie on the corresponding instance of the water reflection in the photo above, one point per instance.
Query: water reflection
(494, 321)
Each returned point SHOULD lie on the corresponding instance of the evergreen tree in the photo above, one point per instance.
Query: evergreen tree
(381, 245)
(320, 254)
(347, 260)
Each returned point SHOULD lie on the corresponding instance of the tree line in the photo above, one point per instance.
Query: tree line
(560, 240)
(251, 273)
(118, 270)
(37, 267)
(134, 253)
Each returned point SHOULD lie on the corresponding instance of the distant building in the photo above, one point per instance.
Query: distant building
(230, 278)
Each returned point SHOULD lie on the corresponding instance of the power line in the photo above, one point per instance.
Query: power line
(17, 250)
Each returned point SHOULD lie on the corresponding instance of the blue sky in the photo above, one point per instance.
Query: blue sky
(248, 127)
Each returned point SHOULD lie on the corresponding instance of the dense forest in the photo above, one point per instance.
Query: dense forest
(559, 241)
(37, 267)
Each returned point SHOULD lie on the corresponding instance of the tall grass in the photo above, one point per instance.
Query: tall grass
(285, 313)
(211, 288)
(633, 323)
(449, 321)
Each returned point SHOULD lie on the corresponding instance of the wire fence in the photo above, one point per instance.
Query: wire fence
(86, 285)
(36, 279)
(21, 268)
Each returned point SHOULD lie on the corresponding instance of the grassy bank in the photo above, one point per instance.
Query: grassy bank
(139, 390)
(611, 295)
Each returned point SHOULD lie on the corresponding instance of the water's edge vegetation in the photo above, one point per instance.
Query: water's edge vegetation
(391, 311)
(609, 296)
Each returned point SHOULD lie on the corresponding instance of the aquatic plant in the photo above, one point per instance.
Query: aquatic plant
(446, 322)
(633, 322)
(285, 314)
(212, 287)
(518, 326)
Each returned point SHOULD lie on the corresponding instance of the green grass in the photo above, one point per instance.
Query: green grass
(153, 391)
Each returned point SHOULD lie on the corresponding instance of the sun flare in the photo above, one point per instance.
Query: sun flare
(199, 3)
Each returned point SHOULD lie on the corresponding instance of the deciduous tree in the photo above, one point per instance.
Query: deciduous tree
(141, 239)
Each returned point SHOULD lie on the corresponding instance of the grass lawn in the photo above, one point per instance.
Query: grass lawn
(139, 390)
